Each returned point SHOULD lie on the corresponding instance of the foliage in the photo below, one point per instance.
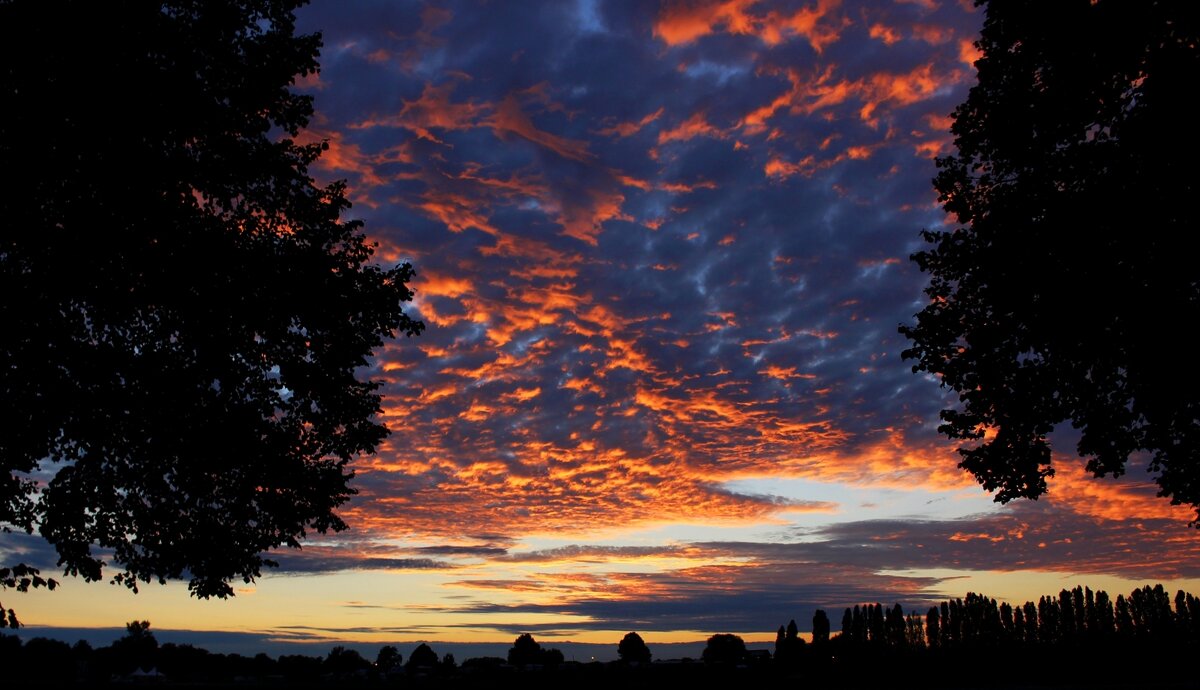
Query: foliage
(820, 627)
(527, 652)
(342, 661)
(184, 308)
(1047, 643)
(388, 658)
(137, 649)
(1059, 297)
(724, 648)
(633, 649)
(788, 644)
(422, 656)
(20, 578)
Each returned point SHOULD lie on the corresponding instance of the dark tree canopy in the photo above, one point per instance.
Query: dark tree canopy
(388, 658)
(633, 649)
(525, 650)
(725, 649)
(1067, 292)
(820, 627)
(422, 656)
(342, 662)
(183, 307)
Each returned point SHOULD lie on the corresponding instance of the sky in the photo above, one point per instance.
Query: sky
(662, 253)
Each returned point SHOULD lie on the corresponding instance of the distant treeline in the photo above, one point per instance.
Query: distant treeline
(1031, 644)
(984, 643)
(1077, 616)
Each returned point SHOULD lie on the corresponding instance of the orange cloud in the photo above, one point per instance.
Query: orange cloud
(342, 157)
(431, 283)
(931, 149)
(628, 129)
(820, 90)
(522, 394)
(779, 168)
(1109, 499)
(968, 53)
(884, 33)
(900, 89)
(682, 22)
(433, 109)
(694, 126)
(933, 34)
(584, 219)
(510, 119)
(457, 212)
(784, 373)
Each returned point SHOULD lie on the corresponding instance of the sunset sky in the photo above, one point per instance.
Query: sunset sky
(662, 255)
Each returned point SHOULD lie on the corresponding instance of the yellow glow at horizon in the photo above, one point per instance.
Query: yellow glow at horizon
(378, 607)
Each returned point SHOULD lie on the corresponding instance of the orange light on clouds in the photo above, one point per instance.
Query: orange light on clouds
(661, 306)
(685, 21)
(694, 126)
(628, 129)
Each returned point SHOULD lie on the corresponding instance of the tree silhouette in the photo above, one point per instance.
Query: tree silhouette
(184, 308)
(933, 627)
(1159, 626)
(724, 649)
(422, 656)
(525, 651)
(820, 627)
(632, 649)
(914, 631)
(388, 658)
(1123, 621)
(1052, 302)
(896, 629)
(788, 644)
(552, 657)
(138, 649)
(345, 662)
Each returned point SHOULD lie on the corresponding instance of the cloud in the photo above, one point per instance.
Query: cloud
(324, 559)
(682, 22)
(658, 251)
(706, 598)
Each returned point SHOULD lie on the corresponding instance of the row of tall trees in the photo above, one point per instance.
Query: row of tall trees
(962, 635)
(1076, 616)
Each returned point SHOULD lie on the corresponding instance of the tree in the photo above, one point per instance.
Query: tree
(138, 649)
(933, 627)
(820, 627)
(184, 308)
(1057, 298)
(388, 658)
(552, 658)
(422, 656)
(345, 662)
(724, 649)
(525, 651)
(633, 650)
(788, 644)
